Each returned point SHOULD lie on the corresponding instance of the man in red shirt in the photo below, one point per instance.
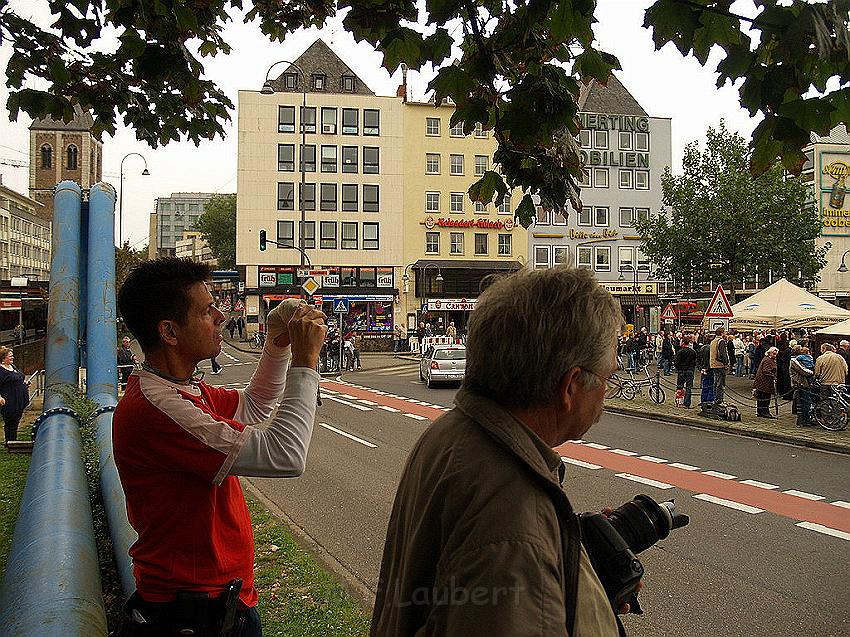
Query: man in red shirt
(180, 444)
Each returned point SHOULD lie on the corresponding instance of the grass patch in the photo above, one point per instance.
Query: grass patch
(13, 476)
(297, 597)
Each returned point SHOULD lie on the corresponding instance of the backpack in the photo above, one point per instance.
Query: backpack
(733, 414)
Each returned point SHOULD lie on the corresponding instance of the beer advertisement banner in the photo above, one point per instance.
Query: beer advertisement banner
(834, 202)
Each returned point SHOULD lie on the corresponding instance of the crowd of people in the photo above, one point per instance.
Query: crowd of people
(779, 362)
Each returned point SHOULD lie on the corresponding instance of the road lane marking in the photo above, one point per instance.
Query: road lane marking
(642, 480)
(580, 463)
(368, 402)
(841, 503)
(820, 528)
(718, 474)
(728, 503)
(350, 404)
(686, 467)
(392, 410)
(760, 485)
(415, 416)
(594, 445)
(653, 459)
(803, 494)
(348, 435)
(623, 452)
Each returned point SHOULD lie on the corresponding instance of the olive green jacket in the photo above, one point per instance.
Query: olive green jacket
(482, 539)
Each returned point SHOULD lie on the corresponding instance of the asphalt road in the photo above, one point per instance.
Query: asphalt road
(744, 565)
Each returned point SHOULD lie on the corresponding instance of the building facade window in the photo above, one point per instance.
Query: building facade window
(285, 119)
(584, 254)
(371, 198)
(308, 119)
(481, 162)
(432, 164)
(432, 243)
(286, 195)
(456, 130)
(541, 257)
(601, 216)
(290, 81)
(349, 235)
(286, 157)
(349, 197)
(308, 230)
(504, 208)
(46, 156)
(370, 237)
(456, 246)
(348, 83)
(600, 177)
(603, 258)
(584, 139)
(625, 140)
(329, 121)
(642, 142)
(285, 234)
(627, 217)
(456, 201)
(432, 202)
(626, 179)
(481, 243)
(308, 196)
(370, 160)
(480, 207)
(327, 237)
(560, 255)
(641, 180)
(585, 216)
(432, 126)
(479, 131)
(371, 121)
(71, 162)
(350, 121)
(319, 82)
(600, 139)
(541, 216)
(349, 159)
(328, 159)
(585, 181)
(308, 157)
(642, 213)
(328, 197)
(456, 164)
(505, 244)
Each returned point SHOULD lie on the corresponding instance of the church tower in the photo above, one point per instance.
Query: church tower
(62, 150)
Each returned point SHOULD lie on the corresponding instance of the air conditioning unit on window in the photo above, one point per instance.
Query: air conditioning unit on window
(328, 129)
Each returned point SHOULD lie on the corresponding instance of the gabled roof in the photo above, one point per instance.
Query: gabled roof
(82, 121)
(614, 99)
(319, 59)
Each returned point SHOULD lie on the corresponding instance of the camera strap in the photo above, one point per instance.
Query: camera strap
(571, 547)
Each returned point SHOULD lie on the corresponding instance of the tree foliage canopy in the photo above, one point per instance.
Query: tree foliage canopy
(724, 224)
(125, 259)
(218, 226)
(519, 73)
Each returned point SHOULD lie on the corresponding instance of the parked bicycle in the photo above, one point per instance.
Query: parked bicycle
(634, 385)
(831, 411)
(257, 340)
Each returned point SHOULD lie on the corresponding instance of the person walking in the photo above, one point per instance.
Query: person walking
(231, 326)
(738, 344)
(686, 360)
(451, 330)
(666, 353)
(802, 370)
(14, 394)
(765, 383)
(216, 367)
(126, 361)
(240, 326)
(398, 333)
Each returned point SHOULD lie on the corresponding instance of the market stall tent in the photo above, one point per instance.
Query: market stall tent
(784, 305)
(839, 329)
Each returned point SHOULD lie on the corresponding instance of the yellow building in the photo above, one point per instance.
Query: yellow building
(450, 243)
(352, 200)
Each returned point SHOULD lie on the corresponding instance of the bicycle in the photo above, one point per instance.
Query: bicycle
(831, 411)
(257, 340)
(633, 386)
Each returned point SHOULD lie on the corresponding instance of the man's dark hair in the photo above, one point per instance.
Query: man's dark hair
(157, 291)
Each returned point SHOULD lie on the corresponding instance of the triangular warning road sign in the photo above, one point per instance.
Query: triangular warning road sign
(668, 314)
(719, 306)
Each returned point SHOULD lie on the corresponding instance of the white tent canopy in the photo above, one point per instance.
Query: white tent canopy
(839, 329)
(784, 305)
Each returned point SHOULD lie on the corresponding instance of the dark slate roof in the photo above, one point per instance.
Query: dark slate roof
(614, 99)
(319, 59)
(82, 122)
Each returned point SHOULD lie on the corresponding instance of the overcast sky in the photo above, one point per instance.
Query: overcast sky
(665, 84)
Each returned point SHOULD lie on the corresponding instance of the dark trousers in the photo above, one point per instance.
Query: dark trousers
(215, 365)
(160, 622)
(804, 405)
(763, 403)
(719, 383)
(685, 381)
(10, 425)
(707, 383)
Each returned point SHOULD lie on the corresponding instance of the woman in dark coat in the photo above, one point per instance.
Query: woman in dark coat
(764, 383)
(783, 372)
(14, 394)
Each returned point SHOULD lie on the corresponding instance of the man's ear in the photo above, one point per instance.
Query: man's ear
(568, 388)
(167, 332)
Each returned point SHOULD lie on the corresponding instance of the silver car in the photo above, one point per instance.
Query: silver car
(443, 363)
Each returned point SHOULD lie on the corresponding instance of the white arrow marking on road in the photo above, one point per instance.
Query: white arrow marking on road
(760, 485)
(642, 480)
(728, 503)
(348, 435)
(803, 494)
(824, 529)
(580, 463)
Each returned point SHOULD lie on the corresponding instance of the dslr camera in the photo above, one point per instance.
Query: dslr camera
(612, 542)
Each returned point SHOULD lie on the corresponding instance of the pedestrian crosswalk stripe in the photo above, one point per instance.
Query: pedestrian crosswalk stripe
(718, 474)
(803, 494)
(760, 485)
(746, 508)
(824, 529)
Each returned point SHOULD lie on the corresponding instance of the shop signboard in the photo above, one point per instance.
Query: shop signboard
(385, 278)
(834, 203)
(268, 279)
(331, 281)
(627, 287)
(451, 305)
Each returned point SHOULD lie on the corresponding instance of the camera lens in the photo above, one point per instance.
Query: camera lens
(642, 521)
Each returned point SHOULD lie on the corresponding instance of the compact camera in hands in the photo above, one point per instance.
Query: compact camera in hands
(613, 540)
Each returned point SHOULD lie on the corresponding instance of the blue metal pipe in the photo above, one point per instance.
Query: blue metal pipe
(102, 371)
(52, 582)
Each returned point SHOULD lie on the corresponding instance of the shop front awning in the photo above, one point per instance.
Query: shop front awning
(647, 300)
(468, 264)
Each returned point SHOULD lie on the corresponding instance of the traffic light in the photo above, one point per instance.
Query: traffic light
(262, 240)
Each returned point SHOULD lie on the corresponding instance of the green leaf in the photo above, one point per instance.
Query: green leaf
(438, 46)
(186, 19)
(568, 22)
(812, 114)
(402, 45)
(674, 22)
(452, 81)
(765, 147)
(593, 64)
(441, 11)
(525, 212)
(716, 29)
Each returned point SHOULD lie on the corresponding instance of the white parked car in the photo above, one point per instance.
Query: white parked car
(443, 364)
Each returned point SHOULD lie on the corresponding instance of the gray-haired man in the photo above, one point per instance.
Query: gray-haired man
(844, 350)
(482, 539)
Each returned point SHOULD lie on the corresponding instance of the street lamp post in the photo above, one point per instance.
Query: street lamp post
(843, 268)
(268, 89)
(121, 195)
